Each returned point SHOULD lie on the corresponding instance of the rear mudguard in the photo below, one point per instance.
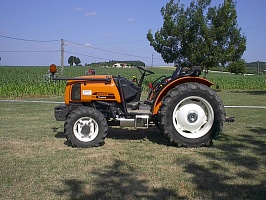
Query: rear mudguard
(158, 99)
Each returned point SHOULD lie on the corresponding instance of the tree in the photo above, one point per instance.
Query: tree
(199, 34)
(77, 61)
(238, 67)
(71, 60)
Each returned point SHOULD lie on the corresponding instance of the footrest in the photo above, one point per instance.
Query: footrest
(148, 102)
(133, 105)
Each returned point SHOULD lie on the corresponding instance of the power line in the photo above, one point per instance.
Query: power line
(109, 51)
(99, 49)
(120, 42)
(87, 55)
(50, 51)
(30, 51)
(27, 40)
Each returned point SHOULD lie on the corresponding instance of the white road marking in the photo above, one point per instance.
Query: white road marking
(60, 102)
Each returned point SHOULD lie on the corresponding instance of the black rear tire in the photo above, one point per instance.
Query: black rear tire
(191, 115)
(86, 127)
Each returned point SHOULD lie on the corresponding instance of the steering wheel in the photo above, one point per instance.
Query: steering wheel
(145, 70)
(143, 74)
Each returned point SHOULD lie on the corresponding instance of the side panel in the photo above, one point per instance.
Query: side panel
(171, 85)
(100, 91)
(93, 91)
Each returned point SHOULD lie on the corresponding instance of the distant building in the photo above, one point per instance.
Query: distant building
(121, 65)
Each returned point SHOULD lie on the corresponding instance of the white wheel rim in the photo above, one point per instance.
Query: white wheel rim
(193, 117)
(86, 129)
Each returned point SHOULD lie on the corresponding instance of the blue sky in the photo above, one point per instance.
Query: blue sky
(102, 30)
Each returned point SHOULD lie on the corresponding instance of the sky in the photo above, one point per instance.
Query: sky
(102, 30)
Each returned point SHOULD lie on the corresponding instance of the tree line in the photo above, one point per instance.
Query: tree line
(75, 60)
(112, 62)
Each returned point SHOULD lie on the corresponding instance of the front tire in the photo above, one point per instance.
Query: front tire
(86, 127)
(192, 115)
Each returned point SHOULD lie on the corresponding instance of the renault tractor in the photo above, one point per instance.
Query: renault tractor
(183, 106)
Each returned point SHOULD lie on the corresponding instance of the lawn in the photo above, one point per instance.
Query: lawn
(38, 163)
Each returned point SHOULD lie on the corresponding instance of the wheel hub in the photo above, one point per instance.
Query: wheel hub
(86, 131)
(192, 116)
(194, 120)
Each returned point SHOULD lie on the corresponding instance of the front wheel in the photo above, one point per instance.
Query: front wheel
(86, 127)
(192, 114)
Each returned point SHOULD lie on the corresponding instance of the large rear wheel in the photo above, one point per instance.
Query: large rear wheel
(86, 127)
(191, 115)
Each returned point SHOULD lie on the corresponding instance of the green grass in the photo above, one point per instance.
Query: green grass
(243, 97)
(37, 162)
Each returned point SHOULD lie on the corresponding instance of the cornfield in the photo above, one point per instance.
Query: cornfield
(249, 82)
(21, 82)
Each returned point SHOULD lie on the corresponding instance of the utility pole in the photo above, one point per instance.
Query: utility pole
(152, 60)
(62, 56)
(258, 67)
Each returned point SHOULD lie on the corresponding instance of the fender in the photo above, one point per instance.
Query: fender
(158, 100)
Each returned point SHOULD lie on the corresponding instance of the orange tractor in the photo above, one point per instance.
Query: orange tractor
(182, 106)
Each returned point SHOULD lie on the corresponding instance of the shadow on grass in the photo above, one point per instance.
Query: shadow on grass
(153, 134)
(118, 181)
(233, 169)
(258, 130)
(60, 135)
(217, 185)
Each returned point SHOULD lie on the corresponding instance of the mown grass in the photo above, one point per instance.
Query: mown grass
(37, 162)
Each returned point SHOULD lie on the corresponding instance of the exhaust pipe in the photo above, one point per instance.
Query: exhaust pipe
(137, 122)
